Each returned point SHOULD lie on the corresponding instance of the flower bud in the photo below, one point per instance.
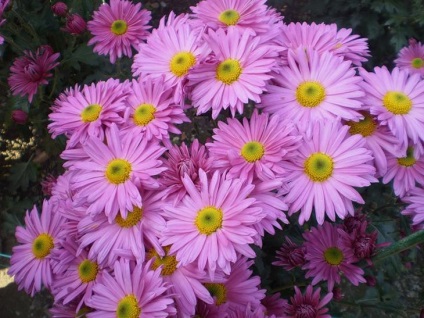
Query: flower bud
(60, 9)
(19, 116)
(75, 24)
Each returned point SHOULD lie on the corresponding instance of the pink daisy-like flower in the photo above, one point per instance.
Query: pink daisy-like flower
(151, 110)
(82, 112)
(31, 260)
(290, 255)
(308, 305)
(351, 46)
(30, 71)
(405, 171)
(397, 99)
(109, 182)
(411, 58)
(3, 5)
(415, 207)
(118, 26)
(314, 87)
(212, 223)
(237, 73)
(133, 291)
(328, 167)
(274, 304)
(327, 257)
(240, 14)
(255, 148)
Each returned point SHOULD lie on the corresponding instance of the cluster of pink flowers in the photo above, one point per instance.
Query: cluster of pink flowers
(139, 227)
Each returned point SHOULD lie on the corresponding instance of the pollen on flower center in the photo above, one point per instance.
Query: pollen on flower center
(118, 171)
(128, 307)
(168, 262)
(144, 114)
(42, 245)
(132, 218)
(91, 113)
(218, 291)
(310, 94)
(87, 271)
(318, 167)
(228, 71)
(208, 220)
(229, 17)
(409, 160)
(119, 27)
(333, 256)
(397, 103)
(417, 63)
(181, 63)
(252, 151)
(365, 127)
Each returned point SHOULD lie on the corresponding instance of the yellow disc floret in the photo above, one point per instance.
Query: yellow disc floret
(409, 160)
(397, 103)
(228, 71)
(417, 63)
(91, 113)
(132, 218)
(208, 220)
(42, 245)
(144, 114)
(229, 17)
(128, 307)
(87, 271)
(118, 171)
(168, 262)
(119, 27)
(252, 151)
(218, 292)
(181, 63)
(310, 94)
(333, 256)
(319, 167)
(365, 127)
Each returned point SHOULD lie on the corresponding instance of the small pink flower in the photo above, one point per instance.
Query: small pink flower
(308, 305)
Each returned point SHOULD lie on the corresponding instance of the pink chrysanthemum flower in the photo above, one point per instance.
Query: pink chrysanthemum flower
(130, 234)
(82, 112)
(314, 87)
(3, 5)
(118, 26)
(397, 99)
(411, 58)
(109, 182)
(31, 260)
(405, 171)
(151, 110)
(255, 148)
(212, 223)
(350, 46)
(309, 305)
(326, 171)
(290, 255)
(240, 14)
(30, 71)
(327, 257)
(415, 207)
(274, 304)
(133, 291)
(237, 73)
(181, 161)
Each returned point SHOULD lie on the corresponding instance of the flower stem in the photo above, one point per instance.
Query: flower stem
(5, 255)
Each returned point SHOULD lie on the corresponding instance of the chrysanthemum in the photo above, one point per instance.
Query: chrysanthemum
(350, 46)
(212, 223)
(132, 292)
(255, 148)
(290, 255)
(326, 171)
(308, 305)
(314, 87)
(109, 182)
(3, 5)
(327, 257)
(240, 14)
(118, 26)
(411, 58)
(405, 171)
(31, 260)
(274, 304)
(30, 71)
(415, 207)
(237, 73)
(151, 110)
(397, 99)
(82, 112)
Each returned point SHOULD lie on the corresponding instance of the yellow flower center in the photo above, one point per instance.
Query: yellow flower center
(365, 127)
(181, 63)
(132, 218)
(119, 27)
(144, 114)
(91, 113)
(42, 245)
(319, 167)
(333, 256)
(310, 94)
(208, 220)
(252, 151)
(217, 290)
(128, 307)
(169, 262)
(397, 103)
(87, 271)
(409, 160)
(228, 71)
(229, 17)
(417, 63)
(118, 171)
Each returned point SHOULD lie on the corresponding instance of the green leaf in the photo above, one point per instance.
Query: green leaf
(21, 174)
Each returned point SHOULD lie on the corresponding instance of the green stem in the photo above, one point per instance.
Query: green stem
(5, 255)
(402, 245)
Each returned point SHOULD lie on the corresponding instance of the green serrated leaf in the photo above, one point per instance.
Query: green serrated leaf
(21, 174)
